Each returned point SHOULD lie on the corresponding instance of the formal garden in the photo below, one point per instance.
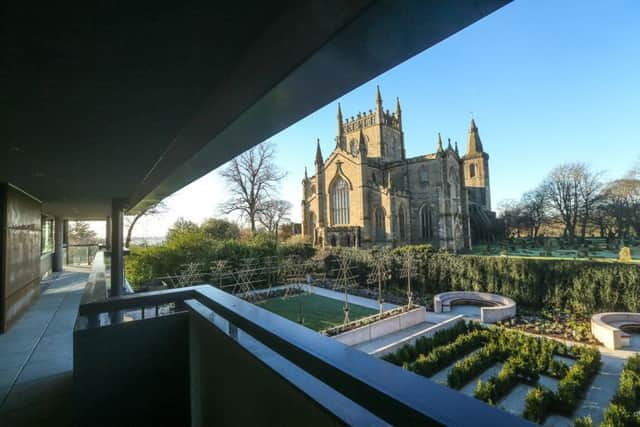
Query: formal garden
(537, 378)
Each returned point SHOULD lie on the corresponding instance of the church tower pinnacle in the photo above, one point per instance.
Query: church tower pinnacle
(319, 161)
(398, 113)
(440, 150)
(379, 110)
(474, 145)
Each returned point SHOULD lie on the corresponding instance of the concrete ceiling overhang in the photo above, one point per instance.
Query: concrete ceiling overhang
(137, 100)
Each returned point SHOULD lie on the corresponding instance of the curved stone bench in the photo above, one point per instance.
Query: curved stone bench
(499, 307)
(606, 328)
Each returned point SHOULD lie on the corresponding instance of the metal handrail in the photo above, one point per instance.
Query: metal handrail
(398, 396)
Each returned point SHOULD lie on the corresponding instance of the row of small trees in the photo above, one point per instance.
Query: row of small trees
(576, 198)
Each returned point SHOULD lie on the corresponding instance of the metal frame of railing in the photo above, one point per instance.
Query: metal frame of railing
(395, 395)
(90, 256)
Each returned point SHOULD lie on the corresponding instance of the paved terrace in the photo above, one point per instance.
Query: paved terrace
(36, 356)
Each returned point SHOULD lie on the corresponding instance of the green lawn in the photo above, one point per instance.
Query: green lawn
(319, 312)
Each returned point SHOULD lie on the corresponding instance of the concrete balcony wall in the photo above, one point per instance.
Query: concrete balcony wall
(20, 260)
(237, 381)
(133, 373)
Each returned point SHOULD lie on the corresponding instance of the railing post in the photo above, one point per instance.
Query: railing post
(117, 252)
(58, 239)
(107, 238)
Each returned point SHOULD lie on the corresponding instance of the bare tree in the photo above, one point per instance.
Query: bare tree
(252, 178)
(623, 201)
(603, 215)
(153, 210)
(590, 188)
(273, 212)
(562, 188)
(511, 213)
(534, 208)
(634, 204)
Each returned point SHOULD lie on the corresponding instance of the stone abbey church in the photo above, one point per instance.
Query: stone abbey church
(367, 192)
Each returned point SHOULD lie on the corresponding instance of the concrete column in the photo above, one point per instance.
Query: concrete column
(58, 240)
(107, 238)
(117, 247)
(65, 239)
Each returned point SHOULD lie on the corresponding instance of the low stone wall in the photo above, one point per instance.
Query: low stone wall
(383, 327)
(410, 340)
(498, 313)
(501, 307)
(604, 327)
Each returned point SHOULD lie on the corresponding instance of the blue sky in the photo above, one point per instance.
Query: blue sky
(547, 82)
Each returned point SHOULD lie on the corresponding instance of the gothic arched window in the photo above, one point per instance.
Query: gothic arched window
(379, 223)
(472, 170)
(402, 223)
(340, 202)
(423, 175)
(425, 222)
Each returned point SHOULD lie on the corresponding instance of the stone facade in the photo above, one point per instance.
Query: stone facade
(367, 192)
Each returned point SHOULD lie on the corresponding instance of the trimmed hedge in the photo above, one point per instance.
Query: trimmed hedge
(516, 369)
(572, 387)
(472, 366)
(527, 357)
(145, 264)
(583, 422)
(440, 357)
(580, 286)
(537, 404)
(424, 345)
(624, 409)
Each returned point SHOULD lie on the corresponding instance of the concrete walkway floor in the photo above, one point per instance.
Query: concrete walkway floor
(36, 356)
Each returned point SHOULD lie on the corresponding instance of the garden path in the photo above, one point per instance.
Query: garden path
(491, 372)
(549, 382)
(383, 341)
(514, 402)
(602, 389)
(558, 421)
(441, 376)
